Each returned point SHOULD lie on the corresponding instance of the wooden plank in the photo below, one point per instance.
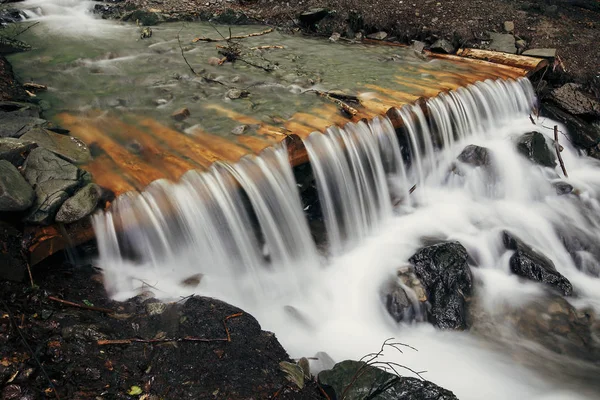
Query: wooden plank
(531, 64)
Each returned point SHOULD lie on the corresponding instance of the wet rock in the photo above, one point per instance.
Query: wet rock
(509, 26)
(442, 46)
(180, 115)
(542, 53)
(571, 98)
(418, 46)
(13, 263)
(355, 380)
(502, 42)
(562, 188)
(446, 276)
(15, 150)
(15, 193)
(475, 156)
(146, 33)
(583, 248)
(581, 133)
(11, 15)
(533, 146)
(377, 35)
(529, 264)
(234, 94)
(310, 17)
(404, 297)
(214, 61)
(82, 204)
(68, 147)
(15, 124)
(54, 181)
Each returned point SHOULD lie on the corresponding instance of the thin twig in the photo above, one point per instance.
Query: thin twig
(531, 119)
(25, 30)
(182, 54)
(557, 148)
(203, 39)
(70, 303)
(183, 339)
(10, 315)
(349, 110)
(275, 46)
(412, 189)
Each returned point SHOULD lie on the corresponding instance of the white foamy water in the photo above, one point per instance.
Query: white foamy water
(265, 262)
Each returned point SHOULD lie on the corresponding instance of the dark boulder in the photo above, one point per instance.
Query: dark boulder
(475, 156)
(529, 264)
(15, 193)
(446, 276)
(13, 263)
(562, 188)
(10, 15)
(571, 98)
(404, 297)
(15, 150)
(533, 146)
(356, 380)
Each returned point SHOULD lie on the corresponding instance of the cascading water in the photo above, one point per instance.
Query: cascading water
(241, 227)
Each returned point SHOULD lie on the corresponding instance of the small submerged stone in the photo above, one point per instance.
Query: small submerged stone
(181, 114)
(239, 130)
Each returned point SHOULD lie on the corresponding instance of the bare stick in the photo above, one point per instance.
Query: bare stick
(183, 55)
(203, 39)
(183, 339)
(557, 148)
(33, 354)
(70, 303)
(531, 119)
(275, 46)
(25, 30)
(412, 189)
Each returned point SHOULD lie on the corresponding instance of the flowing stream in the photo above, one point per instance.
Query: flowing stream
(242, 227)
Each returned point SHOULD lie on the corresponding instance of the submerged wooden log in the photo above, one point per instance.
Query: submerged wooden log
(531, 64)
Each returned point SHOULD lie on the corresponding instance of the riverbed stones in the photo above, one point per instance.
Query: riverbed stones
(15, 193)
(530, 264)
(533, 146)
(82, 204)
(502, 42)
(356, 380)
(68, 147)
(571, 98)
(443, 270)
(15, 150)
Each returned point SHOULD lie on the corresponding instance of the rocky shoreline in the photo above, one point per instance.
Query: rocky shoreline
(86, 345)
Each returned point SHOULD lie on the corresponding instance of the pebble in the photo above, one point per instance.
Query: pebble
(180, 115)
(239, 130)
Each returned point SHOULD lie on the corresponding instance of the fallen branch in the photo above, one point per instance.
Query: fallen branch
(557, 148)
(183, 55)
(531, 119)
(345, 107)
(25, 30)
(203, 39)
(82, 306)
(34, 87)
(412, 189)
(183, 339)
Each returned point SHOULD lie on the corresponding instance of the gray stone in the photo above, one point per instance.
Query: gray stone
(43, 165)
(234, 94)
(572, 99)
(50, 195)
(14, 150)
(502, 42)
(562, 188)
(335, 37)
(418, 46)
(476, 156)
(377, 35)
(404, 297)
(15, 124)
(15, 193)
(509, 26)
(543, 53)
(356, 380)
(442, 46)
(68, 147)
(521, 44)
(312, 16)
(533, 146)
(82, 204)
